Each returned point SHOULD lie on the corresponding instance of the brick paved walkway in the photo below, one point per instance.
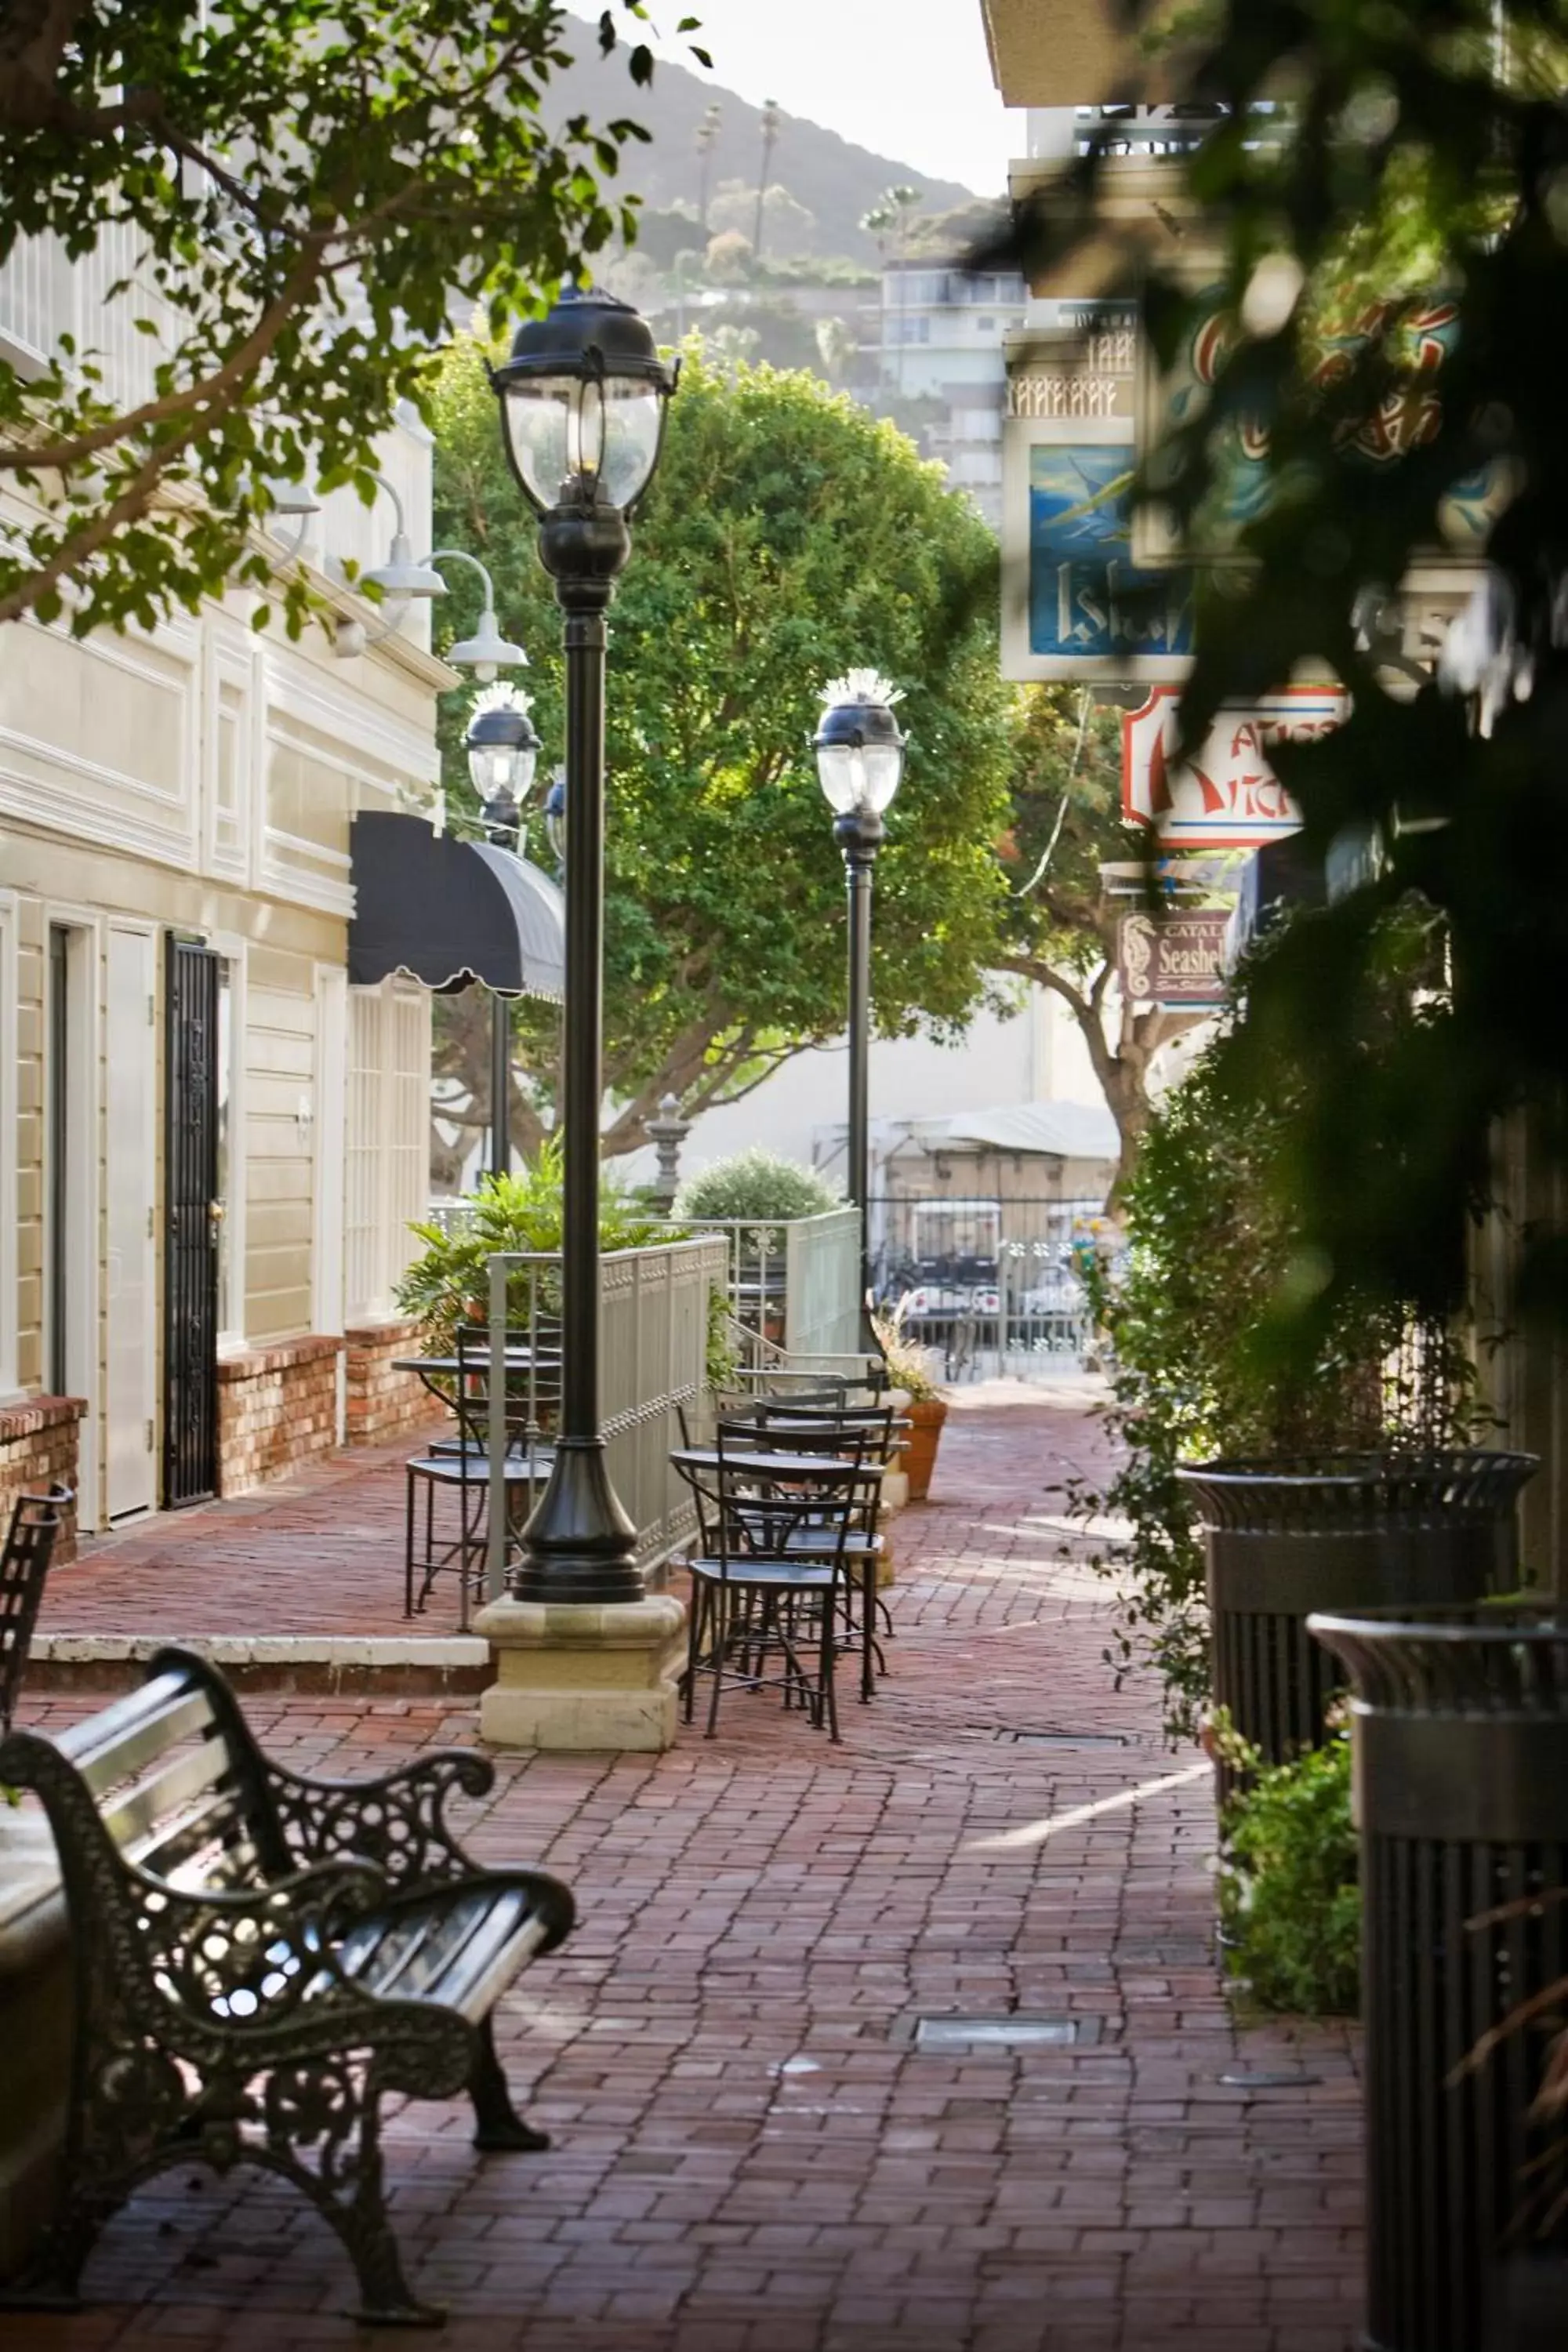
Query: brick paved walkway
(322, 1554)
(751, 2154)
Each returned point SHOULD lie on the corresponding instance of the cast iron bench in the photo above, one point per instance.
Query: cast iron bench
(258, 1958)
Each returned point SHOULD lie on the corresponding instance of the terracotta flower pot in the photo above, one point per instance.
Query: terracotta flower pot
(925, 1416)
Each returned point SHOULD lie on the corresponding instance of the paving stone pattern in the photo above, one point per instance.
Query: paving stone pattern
(751, 2155)
(320, 1553)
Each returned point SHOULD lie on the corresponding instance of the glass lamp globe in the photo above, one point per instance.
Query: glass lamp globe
(583, 401)
(503, 751)
(859, 745)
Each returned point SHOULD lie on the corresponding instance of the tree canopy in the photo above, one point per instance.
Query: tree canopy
(1386, 185)
(787, 537)
(286, 197)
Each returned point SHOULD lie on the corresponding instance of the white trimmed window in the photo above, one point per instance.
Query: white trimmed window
(387, 1163)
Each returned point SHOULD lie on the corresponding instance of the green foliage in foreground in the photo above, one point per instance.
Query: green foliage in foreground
(1290, 1891)
(1385, 184)
(787, 537)
(298, 189)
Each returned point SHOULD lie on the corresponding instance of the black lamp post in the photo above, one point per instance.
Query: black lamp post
(503, 750)
(859, 764)
(583, 401)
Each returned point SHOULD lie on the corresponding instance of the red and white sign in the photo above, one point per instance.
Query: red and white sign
(1227, 797)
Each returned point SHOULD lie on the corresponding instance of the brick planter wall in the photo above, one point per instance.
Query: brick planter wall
(277, 1408)
(382, 1404)
(38, 1446)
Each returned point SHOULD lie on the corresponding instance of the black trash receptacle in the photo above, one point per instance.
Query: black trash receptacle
(1338, 1532)
(1459, 1724)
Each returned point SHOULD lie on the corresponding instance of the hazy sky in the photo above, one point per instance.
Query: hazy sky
(908, 79)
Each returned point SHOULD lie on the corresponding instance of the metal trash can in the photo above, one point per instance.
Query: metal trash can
(1338, 1532)
(1460, 1735)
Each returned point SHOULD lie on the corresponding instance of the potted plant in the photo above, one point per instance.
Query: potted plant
(1346, 1474)
(448, 1282)
(910, 1369)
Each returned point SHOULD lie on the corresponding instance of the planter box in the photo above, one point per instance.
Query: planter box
(1338, 1532)
(1460, 1732)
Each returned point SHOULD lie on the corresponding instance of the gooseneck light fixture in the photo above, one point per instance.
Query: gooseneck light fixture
(859, 752)
(582, 400)
(503, 751)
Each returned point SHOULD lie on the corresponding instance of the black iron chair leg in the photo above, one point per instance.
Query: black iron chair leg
(721, 1605)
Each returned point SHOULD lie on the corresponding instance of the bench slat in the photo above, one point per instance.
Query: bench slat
(135, 1817)
(460, 1955)
(135, 1731)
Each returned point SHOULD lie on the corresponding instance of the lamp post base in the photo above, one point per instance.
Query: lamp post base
(579, 1548)
(569, 1677)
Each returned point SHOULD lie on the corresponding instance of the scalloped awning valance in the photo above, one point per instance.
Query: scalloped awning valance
(451, 912)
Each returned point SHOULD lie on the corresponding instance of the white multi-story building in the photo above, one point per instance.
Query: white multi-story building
(211, 1142)
(943, 335)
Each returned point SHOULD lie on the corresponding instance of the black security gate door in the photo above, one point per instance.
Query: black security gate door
(190, 1265)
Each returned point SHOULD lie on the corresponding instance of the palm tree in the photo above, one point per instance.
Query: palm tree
(889, 221)
(707, 133)
(771, 118)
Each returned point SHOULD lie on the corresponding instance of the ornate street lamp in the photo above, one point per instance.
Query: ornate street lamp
(503, 751)
(859, 764)
(583, 401)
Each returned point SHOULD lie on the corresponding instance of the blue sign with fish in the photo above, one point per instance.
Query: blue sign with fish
(1087, 600)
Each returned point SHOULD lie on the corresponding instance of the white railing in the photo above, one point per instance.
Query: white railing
(45, 295)
(793, 1281)
(655, 1316)
(822, 1292)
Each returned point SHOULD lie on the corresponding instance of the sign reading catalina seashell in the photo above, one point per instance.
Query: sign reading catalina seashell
(1226, 796)
(1172, 959)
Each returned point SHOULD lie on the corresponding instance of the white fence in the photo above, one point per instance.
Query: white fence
(654, 1323)
(794, 1282)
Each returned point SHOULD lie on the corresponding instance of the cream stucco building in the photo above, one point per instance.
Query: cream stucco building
(210, 1144)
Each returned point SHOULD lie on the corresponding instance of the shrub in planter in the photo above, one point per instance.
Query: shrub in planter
(756, 1183)
(448, 1282)
(1290, 1891)
(1191, 1313)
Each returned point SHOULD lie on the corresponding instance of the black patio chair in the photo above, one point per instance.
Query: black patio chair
(761, 1611)
(872, 1438)
(459, 1466)
(36, 1524)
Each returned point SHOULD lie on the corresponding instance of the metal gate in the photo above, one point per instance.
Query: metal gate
(990, 1282)
(192, 1209)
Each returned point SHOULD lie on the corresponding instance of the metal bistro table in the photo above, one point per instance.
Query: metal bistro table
(475, 1424)
(782, 1466)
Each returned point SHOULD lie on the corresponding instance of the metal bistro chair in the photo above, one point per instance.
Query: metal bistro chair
(871, 1436)
(459, 1466)
(36, 1524)
(756, 1605)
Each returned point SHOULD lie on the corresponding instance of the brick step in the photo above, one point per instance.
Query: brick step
(449, 1665)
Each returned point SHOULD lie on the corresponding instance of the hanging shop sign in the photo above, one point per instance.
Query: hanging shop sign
(1176, 960)
(1226, 795)
(1074, 605)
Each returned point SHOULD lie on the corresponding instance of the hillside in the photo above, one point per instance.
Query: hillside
(832, 178)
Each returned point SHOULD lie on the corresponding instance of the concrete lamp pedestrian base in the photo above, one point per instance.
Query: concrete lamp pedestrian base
(574, 1675)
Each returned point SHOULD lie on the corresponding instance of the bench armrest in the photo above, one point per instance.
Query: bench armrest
(244, 1957)
(396, 1821)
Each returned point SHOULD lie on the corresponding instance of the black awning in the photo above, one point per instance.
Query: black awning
(451, 911)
